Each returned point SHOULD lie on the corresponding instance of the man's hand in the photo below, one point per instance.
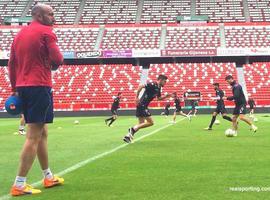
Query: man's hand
(224, 98)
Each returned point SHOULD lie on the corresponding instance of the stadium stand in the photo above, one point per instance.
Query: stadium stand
(164, 11)
(258, 81)
(184, 77)
(222, 10)
(128, 11)
(131, 38)
(77, 39)
(93, 86)
(192, 37)
(84, 38)
(259, 10)
(247, 36)
(69, 38)
(83, 87)
(86, 86)
(13, 8)
(106, 12)
(7, 36)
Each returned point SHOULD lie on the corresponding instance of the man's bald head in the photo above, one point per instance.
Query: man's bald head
(43, 13)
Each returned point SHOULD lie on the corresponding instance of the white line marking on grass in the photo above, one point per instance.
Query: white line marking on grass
(92, 159)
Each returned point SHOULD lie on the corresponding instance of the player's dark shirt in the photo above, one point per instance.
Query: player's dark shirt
(116, 103)
(220, 95)
(238, 94)
(152, 90)
(167, 106)
(251, 103)
(194, 103)
(177, 103)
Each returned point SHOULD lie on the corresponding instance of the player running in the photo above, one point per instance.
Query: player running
(178, 109)
(251, 104)
(240, 104)
(114, 109)
(194, 110)
(151, 91)
(220, 109)
(166, 111)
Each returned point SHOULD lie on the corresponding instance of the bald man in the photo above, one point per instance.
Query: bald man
(34, 53)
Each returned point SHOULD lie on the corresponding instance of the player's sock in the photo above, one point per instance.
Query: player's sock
(111, 122)
(129, 137)
(132, 130)
(227, 118)
(47, 174)
(212, 121)
(21, 128)
(20, 181)
(109, 119)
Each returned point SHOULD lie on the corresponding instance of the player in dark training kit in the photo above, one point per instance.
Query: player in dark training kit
(220, 109)
(194, 104)
(240, 104)
(151, 91)
(178, 109)
(115, 107)
(166, 111)
(251, 104)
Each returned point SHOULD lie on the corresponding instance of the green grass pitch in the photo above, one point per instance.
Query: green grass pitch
(180, 161)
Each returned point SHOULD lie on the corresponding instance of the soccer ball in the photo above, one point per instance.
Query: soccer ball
(230, 133)
(255, 119)
(13, 105)
(217, 122)
(76, 122)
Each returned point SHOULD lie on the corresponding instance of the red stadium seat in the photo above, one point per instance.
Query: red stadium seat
(247, 36)
(194, 77)
(192, 37)
(131, 38)
(258, 80)
(222, 10)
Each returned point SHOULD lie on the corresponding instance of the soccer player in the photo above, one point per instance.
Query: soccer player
(178, 109)
(166, 111)
(251, 104)
(22, 126)
(114, 108)
(34, 53)
(220, 109)
(194, 104)
(151, 91)
(240, 104)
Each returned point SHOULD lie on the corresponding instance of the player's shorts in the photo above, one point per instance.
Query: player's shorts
(178, 109)
(220, 109)
(193, 107)
(114, 112)
(166, 112)
(251, 107)
(37, 104)
(240, 109)
(142, 111)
